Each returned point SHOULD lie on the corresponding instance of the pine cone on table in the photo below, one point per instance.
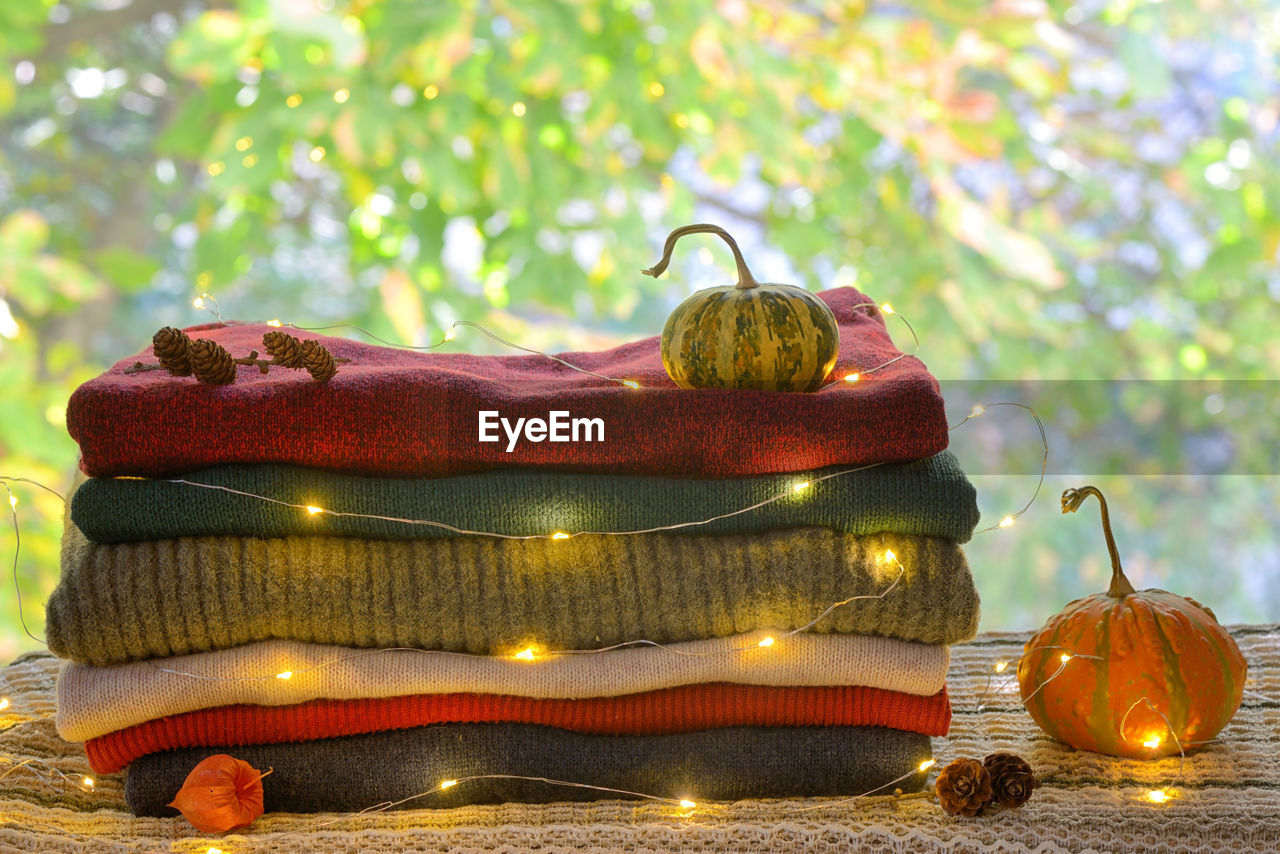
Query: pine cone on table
(318, 361)
(212, 363)
(173, 349)
(964, 787)
(1012, 780)
(284, 348)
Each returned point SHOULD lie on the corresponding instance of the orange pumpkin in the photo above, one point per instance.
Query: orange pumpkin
(1146, 671)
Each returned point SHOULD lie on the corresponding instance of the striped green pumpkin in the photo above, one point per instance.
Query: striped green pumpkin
(760, 336)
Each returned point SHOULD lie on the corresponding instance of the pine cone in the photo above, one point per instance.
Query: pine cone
(173, 348)
(964, 787)
(318, 361)
(284, 348)
(1012, 780)
(211, 363)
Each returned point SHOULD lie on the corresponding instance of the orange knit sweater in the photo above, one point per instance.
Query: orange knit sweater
(669, 710)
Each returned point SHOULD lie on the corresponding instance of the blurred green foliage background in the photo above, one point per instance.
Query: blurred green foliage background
(1055, 194)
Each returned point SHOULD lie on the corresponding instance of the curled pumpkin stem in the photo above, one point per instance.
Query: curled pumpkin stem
(1071, 501)
(745, 279)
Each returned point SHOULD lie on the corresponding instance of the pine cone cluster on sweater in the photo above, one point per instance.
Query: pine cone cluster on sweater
(213, 364)
(967, 786)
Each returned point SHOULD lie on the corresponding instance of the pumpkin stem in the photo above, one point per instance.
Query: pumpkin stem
(745, 279)
(1071, 501)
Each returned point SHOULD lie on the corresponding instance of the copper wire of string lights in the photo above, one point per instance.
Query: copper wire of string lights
(17, 542)
(887, 309)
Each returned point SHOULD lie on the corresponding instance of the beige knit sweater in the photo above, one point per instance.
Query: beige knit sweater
(94, 701)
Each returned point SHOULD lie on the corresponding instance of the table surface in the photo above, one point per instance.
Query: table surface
(1226, 797)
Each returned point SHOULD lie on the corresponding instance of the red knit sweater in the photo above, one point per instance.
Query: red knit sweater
(671, 710)
(401, 413)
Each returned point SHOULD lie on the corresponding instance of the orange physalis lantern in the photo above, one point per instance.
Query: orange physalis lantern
(221, 793)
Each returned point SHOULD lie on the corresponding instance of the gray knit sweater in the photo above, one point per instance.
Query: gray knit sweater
(728, 763)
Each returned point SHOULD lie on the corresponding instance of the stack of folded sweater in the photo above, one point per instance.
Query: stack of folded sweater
(291, 603)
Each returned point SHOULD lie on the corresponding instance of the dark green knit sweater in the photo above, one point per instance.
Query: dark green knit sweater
(483, 595)
(930, 498)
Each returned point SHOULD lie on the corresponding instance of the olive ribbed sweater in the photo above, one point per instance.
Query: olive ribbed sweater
(929, 498)
(480, 595)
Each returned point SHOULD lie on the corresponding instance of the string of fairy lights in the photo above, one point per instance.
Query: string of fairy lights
(532, 654)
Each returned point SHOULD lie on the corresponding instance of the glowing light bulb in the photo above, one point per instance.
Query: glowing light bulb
(313, 510)
(4, 703)
(1001, 665)
(977, 410)
(687, 804)
(631, 384)
(88, 782)
(450, 333)
(198, 302)
(559, 535)
(927, 764)
(448, 784)
(1006, 521)
(525, 654)
(275, 321)
(889, 555)
(1066, 656)
(886, 308)
(285, 674)
(1157, 796)
(766, 642)
(852, 378)
(801, 487)
(1154, 741)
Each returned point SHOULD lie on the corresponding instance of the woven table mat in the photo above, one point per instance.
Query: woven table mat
(1227, 798)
